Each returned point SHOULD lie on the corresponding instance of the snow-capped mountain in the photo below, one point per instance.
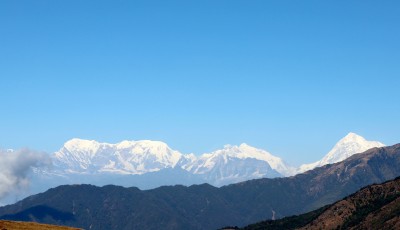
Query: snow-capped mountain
(228, 165)
(346, 147)
(217, 159)
(126, 157)
(235, 164)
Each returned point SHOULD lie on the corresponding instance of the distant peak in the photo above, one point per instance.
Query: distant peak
(228, 146)
(78, 141)
(81, 144)
(351, 137)
(349, 145)
(351, 134)
(355, 138)
(140, 142)
(241, 146)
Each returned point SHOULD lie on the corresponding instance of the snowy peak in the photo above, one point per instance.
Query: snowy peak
(234, 164)
(126, 157)
(144, 145)
(89, 147)
(160, 150)
(245, 151)
(208, 161)
(346, 147)
(352, 138)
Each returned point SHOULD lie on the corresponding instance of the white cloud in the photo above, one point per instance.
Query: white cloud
(15, 167)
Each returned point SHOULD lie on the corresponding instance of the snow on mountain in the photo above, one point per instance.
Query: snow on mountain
(186, 159)
(228, 170)
(126, 157)
(272, 166)
(346, 147)
(229, 165)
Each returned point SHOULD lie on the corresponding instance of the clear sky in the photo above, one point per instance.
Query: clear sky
(291, 77)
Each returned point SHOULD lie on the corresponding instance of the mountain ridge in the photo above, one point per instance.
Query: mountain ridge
(349, 145)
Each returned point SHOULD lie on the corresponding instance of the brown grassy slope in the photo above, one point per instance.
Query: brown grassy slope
(365, 209)
(387, 217)
(13, 225)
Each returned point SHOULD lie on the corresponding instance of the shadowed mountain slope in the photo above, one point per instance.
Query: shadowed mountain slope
(373, 207)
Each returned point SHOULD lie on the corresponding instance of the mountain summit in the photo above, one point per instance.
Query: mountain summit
(244, 151)
(237, 163)
(126, 157)
(346, 147)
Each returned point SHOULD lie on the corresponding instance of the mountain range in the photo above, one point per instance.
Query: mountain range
(204, 206)
(132, 163)
(140, 157)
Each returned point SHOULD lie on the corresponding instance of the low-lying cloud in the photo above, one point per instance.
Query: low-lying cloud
(15, 167)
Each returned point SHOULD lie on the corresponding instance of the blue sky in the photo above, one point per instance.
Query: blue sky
(291, 77)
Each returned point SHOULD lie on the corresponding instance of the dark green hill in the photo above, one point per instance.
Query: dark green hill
(204, 206)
